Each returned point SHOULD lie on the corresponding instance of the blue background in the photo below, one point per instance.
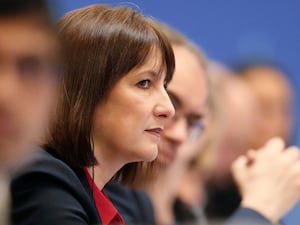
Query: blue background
(230, 30)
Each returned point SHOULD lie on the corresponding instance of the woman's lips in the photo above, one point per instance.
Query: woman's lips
(155, 131)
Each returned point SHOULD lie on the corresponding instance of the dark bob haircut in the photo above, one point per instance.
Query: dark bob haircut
(101, 44)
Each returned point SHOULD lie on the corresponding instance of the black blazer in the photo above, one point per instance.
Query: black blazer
(135, 206)
(49, 192)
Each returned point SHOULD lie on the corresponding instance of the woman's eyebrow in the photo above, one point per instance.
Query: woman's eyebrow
(151, 72)
(157, 73)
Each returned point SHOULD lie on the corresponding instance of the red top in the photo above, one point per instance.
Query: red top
(108, 213)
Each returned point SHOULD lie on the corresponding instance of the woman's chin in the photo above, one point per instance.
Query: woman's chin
(149, 155)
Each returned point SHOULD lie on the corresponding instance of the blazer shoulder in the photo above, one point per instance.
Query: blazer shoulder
(48, 190)
(45, 164)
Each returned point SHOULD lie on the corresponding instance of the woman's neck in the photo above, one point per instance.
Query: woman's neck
(108, 165)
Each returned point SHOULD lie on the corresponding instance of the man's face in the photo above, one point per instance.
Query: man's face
(188, 90)
(27, 86)
(274, 98)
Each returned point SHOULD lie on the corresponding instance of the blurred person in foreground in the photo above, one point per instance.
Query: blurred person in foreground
(28, 52)
(189, 90)
(28, 55)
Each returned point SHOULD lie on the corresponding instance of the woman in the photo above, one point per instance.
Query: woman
(112, 111)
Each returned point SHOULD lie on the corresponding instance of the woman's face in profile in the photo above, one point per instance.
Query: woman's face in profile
(129, 124)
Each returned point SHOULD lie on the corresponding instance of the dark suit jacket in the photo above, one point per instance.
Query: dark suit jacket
(49, 192)
(135, 206)
(246, 216)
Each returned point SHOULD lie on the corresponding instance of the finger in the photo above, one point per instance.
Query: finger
(292, 153)
(274, 145)
(239, 163)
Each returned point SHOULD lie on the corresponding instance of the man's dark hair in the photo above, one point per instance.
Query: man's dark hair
(35, 9)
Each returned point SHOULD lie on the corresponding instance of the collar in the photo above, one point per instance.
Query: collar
(108, 213)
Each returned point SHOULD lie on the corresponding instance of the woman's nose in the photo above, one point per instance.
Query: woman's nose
(164, 108)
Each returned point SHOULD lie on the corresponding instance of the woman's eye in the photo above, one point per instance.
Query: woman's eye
(144, 84)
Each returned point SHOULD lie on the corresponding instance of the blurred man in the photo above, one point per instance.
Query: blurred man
(256, 107)
(234, 127)
(27, 76)
(274, 95)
